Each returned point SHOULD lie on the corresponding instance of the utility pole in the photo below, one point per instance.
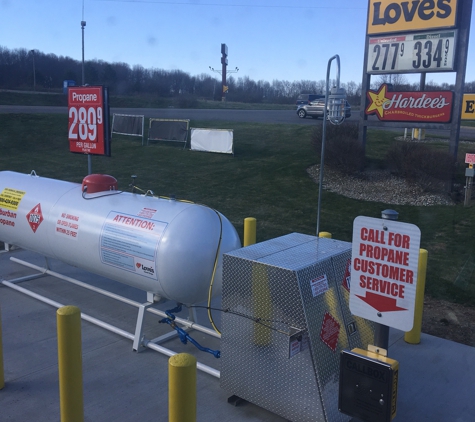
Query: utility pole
(224, 64)
(222, 72)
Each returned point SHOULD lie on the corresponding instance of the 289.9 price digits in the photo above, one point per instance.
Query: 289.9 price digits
(84, 122)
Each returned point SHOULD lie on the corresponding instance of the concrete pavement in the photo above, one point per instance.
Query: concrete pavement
(436, 377)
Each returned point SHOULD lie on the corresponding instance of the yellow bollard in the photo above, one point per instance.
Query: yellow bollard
(68, 319)
(261, 304)
(249, 231)
(2, 375)
(325, 234)
(182, 388)
(414, 336)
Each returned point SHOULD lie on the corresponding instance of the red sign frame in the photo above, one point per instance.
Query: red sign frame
(410, 106)
(88, 120)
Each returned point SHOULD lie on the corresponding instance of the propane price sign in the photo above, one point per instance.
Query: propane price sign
(423, 52)
(88, 126)
(385, 258)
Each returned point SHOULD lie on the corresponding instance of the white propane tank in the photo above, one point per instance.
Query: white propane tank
(162, 246)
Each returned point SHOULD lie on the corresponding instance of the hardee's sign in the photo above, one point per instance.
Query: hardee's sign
(410, 106)
(397, 15)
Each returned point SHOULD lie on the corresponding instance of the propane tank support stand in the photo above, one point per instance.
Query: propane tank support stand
(139, 341)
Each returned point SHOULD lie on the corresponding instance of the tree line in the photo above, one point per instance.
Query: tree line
(23, 69)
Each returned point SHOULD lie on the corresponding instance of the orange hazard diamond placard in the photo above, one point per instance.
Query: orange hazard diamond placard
(35, 217)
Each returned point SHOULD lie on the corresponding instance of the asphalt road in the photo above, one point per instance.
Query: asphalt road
(251, 116)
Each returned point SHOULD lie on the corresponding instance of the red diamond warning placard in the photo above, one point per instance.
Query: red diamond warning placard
(35, 217)
(385, 256)
(330, 331)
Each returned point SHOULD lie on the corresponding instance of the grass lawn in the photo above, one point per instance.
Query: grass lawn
(266, 179)
(140, 101)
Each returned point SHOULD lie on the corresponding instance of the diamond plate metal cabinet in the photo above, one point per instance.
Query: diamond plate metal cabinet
(285, 323)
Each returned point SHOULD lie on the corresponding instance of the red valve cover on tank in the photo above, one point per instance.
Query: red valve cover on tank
(93, 183)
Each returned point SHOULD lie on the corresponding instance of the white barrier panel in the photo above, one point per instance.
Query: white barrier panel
(212, 140)
(126, 124)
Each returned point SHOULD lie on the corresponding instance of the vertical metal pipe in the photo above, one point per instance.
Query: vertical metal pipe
(381, 332)
(182, 388)
(414, 336)
(83, 24)
(71, 400)
(324, 132)
(249, 231)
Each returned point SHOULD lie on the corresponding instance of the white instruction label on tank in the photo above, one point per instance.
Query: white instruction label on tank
(129, 242)
(319, 285)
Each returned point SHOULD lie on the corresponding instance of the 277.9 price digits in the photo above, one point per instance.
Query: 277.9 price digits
(84, 122)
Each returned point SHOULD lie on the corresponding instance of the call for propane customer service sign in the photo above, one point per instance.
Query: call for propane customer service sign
(385, 258)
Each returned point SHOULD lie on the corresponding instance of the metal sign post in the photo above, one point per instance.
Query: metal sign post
(469, 174)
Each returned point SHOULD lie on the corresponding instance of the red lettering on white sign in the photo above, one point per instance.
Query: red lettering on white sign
(385, 255)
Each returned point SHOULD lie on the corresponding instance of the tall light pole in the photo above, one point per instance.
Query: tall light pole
(34, 70)
(83, 24)
(334, 111)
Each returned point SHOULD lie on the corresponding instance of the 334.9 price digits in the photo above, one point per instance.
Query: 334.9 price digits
(84, 122)
(425, 51)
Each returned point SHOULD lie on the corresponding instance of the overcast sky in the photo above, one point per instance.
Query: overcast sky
(267, 39)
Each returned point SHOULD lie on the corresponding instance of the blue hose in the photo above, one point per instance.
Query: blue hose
(184, 336)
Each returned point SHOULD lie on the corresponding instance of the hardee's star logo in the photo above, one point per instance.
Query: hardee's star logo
(377, 101)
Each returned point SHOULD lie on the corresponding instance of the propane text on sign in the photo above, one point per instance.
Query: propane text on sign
(375, 262)
(384, 270)
(5, 216)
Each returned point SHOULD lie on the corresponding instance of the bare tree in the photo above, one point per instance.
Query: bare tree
(398, 81)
